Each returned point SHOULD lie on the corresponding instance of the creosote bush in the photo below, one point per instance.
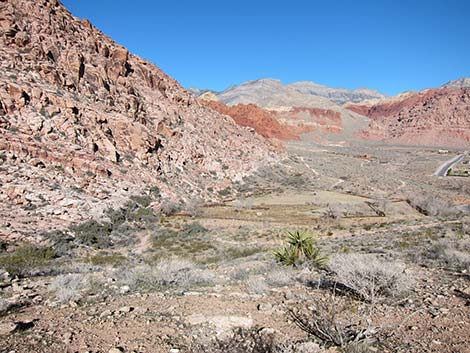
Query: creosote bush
(300, 247)
(369, 277)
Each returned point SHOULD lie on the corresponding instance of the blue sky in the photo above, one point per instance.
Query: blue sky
(391, 46)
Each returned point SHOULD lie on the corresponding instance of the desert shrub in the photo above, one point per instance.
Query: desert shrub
(72, 287)
(141, 200)
(168, 207)
(26, 259)
(332, 321)
(238, 252)
(192, 229)
(67, 287)
(61, 241)
(432, 206)
(333, 212)
(452, 254)
(369, 277)
(280, 276)
(256, 268)
(173, 273)
(136, 210)
(256, 285)
(143, 214)
(300, 247)
(93, 234)
(241, 204)
(103, 259)
(190, 240)
(225, 192)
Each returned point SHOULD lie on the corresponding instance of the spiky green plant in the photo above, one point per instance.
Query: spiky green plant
(300, 247)
(286, 255)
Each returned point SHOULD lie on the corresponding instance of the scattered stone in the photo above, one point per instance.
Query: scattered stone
(106, 313)
(126, 309)
(124, 289)
(265, 307)
(116, 350)
(7, 328)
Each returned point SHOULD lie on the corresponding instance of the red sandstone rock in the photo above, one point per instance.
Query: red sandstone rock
(262, 121)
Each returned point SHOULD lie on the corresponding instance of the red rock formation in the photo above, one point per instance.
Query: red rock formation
(435, 117)
(359, 108)
(262, 121)
(79, 112)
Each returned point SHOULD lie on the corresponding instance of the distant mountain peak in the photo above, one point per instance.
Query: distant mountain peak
(257, 91)
(463, 82)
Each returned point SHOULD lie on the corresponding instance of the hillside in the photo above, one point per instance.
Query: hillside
(434, 117)
(84, 124)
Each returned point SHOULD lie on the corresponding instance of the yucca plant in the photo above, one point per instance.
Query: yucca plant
(286, 255)
(300, 247)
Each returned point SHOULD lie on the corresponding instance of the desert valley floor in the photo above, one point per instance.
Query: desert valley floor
(184, 280)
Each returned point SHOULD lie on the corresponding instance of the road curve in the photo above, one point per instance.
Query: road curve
(444, 168)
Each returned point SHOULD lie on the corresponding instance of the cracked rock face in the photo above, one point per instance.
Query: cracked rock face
(79, 112)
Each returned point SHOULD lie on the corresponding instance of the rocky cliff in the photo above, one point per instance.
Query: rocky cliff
(84, 124)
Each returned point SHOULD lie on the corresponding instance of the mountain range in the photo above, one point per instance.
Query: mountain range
(433, 117)
(268, 92)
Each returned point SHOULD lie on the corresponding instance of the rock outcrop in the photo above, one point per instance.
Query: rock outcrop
(84, 124)
(262, 121)
(434, 117)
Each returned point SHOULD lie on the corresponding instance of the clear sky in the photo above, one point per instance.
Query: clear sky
(388, 45)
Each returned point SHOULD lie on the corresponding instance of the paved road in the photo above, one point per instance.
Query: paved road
(444, 168)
